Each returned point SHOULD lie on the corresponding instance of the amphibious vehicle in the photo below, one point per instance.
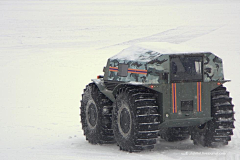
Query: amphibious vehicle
(151, 91)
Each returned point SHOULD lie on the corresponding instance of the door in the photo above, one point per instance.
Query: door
(186, 78)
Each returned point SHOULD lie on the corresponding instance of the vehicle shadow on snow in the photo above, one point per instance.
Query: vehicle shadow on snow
(162, 146)
(163, 150)
(184, 145)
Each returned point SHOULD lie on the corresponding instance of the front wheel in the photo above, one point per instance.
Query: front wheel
(135, 119)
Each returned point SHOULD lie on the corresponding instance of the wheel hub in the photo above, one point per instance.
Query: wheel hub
(91, 114)
(124, 120)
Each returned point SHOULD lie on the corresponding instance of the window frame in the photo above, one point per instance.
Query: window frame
(188, 80)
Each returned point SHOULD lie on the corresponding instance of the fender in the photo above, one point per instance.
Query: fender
(123, 85)
(99, 83)
(112, 94)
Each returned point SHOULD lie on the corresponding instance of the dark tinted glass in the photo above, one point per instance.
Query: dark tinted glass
(186, 68)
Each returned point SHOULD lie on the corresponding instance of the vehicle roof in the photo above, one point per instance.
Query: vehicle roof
(145, 52)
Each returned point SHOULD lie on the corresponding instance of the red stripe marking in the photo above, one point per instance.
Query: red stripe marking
(136, 71)
(113, 69)
(175, 86)
(174, 97)
(200, 92)
(199, 97)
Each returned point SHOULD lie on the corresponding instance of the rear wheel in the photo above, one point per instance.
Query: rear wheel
(96, 116)
(135, 119)
(218, 131)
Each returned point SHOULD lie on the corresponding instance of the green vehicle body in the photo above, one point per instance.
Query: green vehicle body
(183, 81)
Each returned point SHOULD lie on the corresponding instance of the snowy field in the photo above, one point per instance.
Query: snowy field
(50, 49)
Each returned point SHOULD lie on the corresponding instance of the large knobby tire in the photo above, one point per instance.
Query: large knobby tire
(135, 119)
(175, 134)
(96, 116)
(218, 131)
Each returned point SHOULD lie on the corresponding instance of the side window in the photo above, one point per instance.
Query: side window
(122, 70)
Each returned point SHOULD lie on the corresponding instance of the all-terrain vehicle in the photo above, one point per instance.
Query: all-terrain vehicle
(147, 92)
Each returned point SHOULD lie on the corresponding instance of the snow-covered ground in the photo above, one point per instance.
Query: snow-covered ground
(50, 49)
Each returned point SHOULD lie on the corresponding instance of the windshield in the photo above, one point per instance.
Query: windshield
(186, 68)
